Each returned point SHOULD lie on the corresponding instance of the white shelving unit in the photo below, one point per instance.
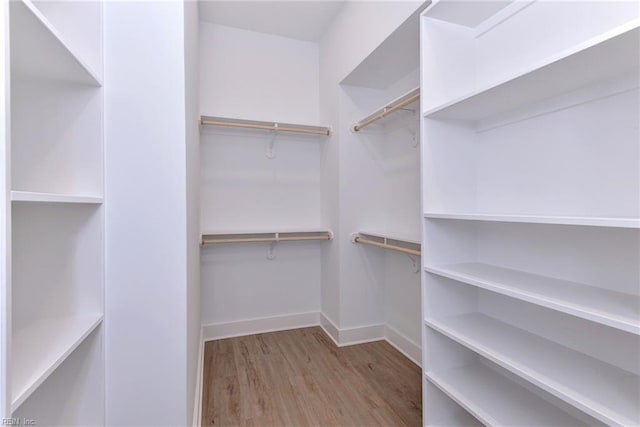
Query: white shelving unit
(531, 204)
(56, 228)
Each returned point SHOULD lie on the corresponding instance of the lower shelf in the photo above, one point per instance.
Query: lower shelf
(605, 392)
(496, 400)
(39, 349)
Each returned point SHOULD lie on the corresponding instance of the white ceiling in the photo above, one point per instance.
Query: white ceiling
(302, 19)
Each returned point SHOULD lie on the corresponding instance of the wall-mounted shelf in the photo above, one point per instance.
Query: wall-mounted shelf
(483, 392)
(604, 306)
(608, 56)
(265, 237)
(385, 241)
(29, 196)
(541, 219)
(605, 392)
(395, 105)
(38, 51)
(262, 125)
(41, 348)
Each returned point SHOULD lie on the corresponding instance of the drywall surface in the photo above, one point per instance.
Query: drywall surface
(146, 215)
(356, 32)
(192, 112)
(251, 75)
(257, 76)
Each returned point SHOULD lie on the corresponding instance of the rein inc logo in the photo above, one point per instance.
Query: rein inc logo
(18, 422)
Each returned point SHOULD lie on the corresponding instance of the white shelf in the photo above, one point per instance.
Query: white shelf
(615, 309)
(38, 51)
(39, 349)
(610, 55)
(602, 391)
(460, 418)
(617, 222)
(28, 196)
(483, 392)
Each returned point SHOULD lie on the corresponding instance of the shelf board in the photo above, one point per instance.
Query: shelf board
(617, 222)
(39, 52)
(496, 400)
(28, 196)
(459, 418)
(265, 236)
(611, 308)
(605, 57)
(39, 349)
(469, 13)
(600, 390)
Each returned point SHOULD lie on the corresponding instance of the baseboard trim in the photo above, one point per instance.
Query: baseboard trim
(403, 344)
(197, 407)
(351, 336)
(330, 329)
(340, 337)
(241, 328)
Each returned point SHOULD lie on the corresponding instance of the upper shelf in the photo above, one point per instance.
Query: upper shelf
(38, 51)
(395, 105)
(541, 219)
(28, 196)
(262, 125)
(613, 54)
(469, 13)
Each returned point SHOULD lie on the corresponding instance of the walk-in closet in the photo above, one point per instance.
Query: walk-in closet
(320, 213)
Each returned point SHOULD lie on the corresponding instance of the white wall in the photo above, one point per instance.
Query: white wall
(357, 31)
(192, 110)
(257, 76)
(146, 215)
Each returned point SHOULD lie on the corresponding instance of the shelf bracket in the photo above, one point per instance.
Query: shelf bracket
(271, 146)
(416, 264)
(271, 251)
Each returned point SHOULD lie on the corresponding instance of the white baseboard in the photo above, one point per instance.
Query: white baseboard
(351, 336)
(340, 337)
(403, 344)
(330, 329)
(240, 328)
(197, 407)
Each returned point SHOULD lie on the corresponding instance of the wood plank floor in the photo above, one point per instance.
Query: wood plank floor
(300, 378)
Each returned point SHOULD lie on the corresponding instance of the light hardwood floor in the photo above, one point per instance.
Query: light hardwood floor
(300, 378)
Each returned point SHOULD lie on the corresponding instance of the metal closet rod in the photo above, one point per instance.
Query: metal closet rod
(272, 126)
(359, 239)
(403, 101)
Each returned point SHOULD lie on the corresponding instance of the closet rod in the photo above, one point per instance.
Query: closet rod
(211, 241)
(251, 124)
(407, 251)
(403, 101)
